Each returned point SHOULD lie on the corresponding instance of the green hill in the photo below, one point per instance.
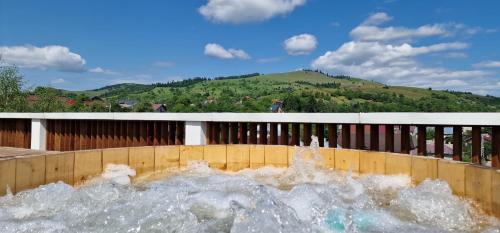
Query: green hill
(301, 91)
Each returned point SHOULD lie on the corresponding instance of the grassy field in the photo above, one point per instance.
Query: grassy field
(302, 91)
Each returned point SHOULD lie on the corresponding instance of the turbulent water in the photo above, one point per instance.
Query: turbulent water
(303, 198)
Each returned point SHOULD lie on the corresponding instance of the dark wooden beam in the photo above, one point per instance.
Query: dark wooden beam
(439, 141)
(405, 139)
(346, 136)
(233, 127)
(263, 133)
(476, 145)
(295, 134)
(243, 133)
(389, 138)
(253, 133)
(224, 133)
(422, 140)
(332, 135)
(457, 143)
(495, 146)
(284, 134)
(360, 136)
(307, 134)
(320, 132)
(273, 134)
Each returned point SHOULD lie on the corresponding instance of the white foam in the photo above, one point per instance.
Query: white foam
(118, 173)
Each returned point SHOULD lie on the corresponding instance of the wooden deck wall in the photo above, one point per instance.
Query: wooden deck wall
(15, 133)
(69, 135)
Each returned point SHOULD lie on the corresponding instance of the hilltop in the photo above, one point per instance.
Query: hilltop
(301, 91)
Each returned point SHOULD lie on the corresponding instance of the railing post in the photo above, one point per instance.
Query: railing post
(360, 136)
(253, 133)
(243, 133)
(295, 134)
(284, 134)
(320, 131)
(273, 134)
(405, 139)
(457, 143)
(422, 140)
(195, 133)
(307, 134)
(233, 127)
(332, 135)
(263, 133)
(38, 134)
(476, 145)
(346, 136)
(495, 146)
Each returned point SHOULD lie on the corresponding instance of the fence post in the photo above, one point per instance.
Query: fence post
(195, 133)
(38, 134)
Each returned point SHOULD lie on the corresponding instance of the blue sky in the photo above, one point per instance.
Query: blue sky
(88, 44)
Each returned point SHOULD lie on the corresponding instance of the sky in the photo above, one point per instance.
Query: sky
(81, 45)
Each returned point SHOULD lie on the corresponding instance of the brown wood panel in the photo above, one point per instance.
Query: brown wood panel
(495, 146)
(233, 130)
(374, 137)
(360, 137)
(284, 134)
(171, 132)
(263, 133)
(57, 135)
(332, 135)
(295, 134)
(439, 141)
(320, 133)
(243, 133)
(307, 132)
(346, 136)
(476, 145)
(389, 138)
(422, 140)
(179, 139)
(273, 133)
(253, 133)
(224, 127)
(457, 143)
(164, 133)
(405, 139)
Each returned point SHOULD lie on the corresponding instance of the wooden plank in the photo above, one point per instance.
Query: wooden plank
(457, 143)
(58, 135)
(275, 155)
(88, 164)
(143, 131)
(30, 172)
(233, 128)
(115, 156)
(372, 162)
(253, 133)
(142, 159)
(320, 133)
(332, 135)
(346, 136)
(273, 133)
(59, 167)
(7, 175)
(171, 132)
(263, 133)
(164, 133)
(295, 134)
(284, 134)
(328, 155)
(360, 136)
(374, 137)
(157, 135)
(476, 145)
(167, 157)
(179, 139)
(346, 159)
(405, 139)
(478, 185)
(256, 156)
(453, 173)
(216, 156)
(439, 141)
(238, 157)
(495, 146)
(422, 140)
(189, 153)
(307, 132)
(423, 168)
(243, 133)
(495, 193)
(224, 133)
(398, 164)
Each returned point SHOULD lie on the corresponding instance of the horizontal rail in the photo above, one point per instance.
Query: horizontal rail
(413, 118)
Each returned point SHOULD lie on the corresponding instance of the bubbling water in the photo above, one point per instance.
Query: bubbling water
(303, 198)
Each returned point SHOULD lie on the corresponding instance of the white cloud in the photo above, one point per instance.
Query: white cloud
(301, 44)
(488, 64)
(377, 18)
(217, 51)
(48, 57)
(244, 11)
(269, 59)
(103, 71)
(375, 33)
